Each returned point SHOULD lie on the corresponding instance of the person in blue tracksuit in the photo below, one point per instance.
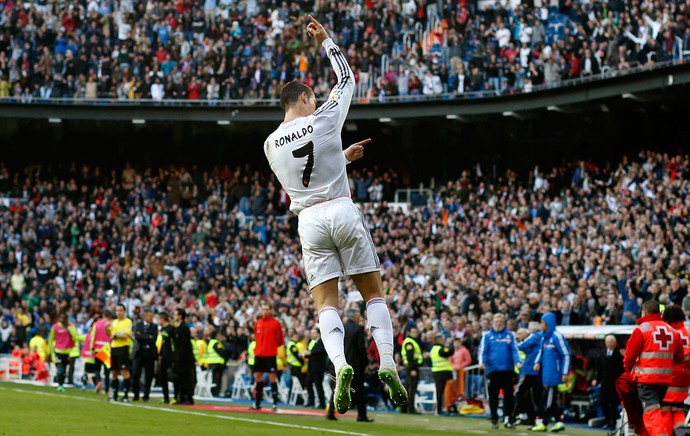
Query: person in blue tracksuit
(498, 357)
(554, 361)
(528, 389)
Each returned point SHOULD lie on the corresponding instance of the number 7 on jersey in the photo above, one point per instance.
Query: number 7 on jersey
(307, 150)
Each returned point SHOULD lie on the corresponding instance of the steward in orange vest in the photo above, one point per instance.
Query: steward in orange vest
(652, 350)
(673, 402)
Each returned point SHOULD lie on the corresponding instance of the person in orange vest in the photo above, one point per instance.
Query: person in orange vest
(15, 366)
(673, 402)
(652, 350)
(28, 359)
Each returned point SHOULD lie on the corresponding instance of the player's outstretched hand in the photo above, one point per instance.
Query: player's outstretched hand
(356, 150)
(316, 30)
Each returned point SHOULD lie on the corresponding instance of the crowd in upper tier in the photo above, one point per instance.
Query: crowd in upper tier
(228, 49)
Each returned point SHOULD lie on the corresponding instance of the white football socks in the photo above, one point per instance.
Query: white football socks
(381, 328)
(333, 336)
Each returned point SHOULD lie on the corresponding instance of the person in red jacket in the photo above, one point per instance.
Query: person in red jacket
(652, 350)
(673, 402)
(269, 337)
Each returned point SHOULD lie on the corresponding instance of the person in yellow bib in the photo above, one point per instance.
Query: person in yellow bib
(198, 346)
(39, 344)
(250, 353)
(412, 359)
(295, 360)
(214, 358)
(120, 344)
(441, 369)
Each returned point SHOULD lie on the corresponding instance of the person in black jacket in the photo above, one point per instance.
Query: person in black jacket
(357, 356)
(318, 359)
(165, 355)
(183, 360)
(145, 354)
(610, 368)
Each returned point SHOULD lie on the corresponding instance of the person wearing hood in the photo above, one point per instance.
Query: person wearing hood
(674, 400)
(499, 356)
(653, 349)
(553, 360)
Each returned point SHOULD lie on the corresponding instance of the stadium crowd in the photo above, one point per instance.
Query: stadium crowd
(226, 49)
(587, 242)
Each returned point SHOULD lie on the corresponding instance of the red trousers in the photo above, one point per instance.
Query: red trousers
(676, 419)
(657, 422)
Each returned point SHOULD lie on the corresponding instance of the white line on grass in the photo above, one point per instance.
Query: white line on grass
(208, 415)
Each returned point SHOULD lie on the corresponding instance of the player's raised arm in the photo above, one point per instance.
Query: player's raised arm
(338, 103)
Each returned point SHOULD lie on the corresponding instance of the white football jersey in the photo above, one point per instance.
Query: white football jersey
(306, 154)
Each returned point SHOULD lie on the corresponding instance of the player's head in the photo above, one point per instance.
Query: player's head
(297, 94)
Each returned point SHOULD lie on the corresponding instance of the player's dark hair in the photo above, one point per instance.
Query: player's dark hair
(291, 92)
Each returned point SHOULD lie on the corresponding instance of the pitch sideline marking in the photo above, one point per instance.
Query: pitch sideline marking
(207, 415)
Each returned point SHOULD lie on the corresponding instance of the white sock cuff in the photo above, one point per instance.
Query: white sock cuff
(376, 300)
(327, 308)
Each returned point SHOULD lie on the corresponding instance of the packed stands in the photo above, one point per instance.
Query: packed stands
(222, 49)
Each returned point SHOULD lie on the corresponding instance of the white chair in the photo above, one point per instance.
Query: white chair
(204, 383)
(296, 390)
(426, 397)
(327, 389)
(11, 368)
(242, 387)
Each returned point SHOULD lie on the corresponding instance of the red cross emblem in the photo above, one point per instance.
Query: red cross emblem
(663, 338)
(684, 339)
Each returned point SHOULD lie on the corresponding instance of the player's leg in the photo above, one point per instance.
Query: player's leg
(381, 327)
(333, 337)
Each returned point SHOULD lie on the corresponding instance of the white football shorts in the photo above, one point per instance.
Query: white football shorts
(335, 241)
